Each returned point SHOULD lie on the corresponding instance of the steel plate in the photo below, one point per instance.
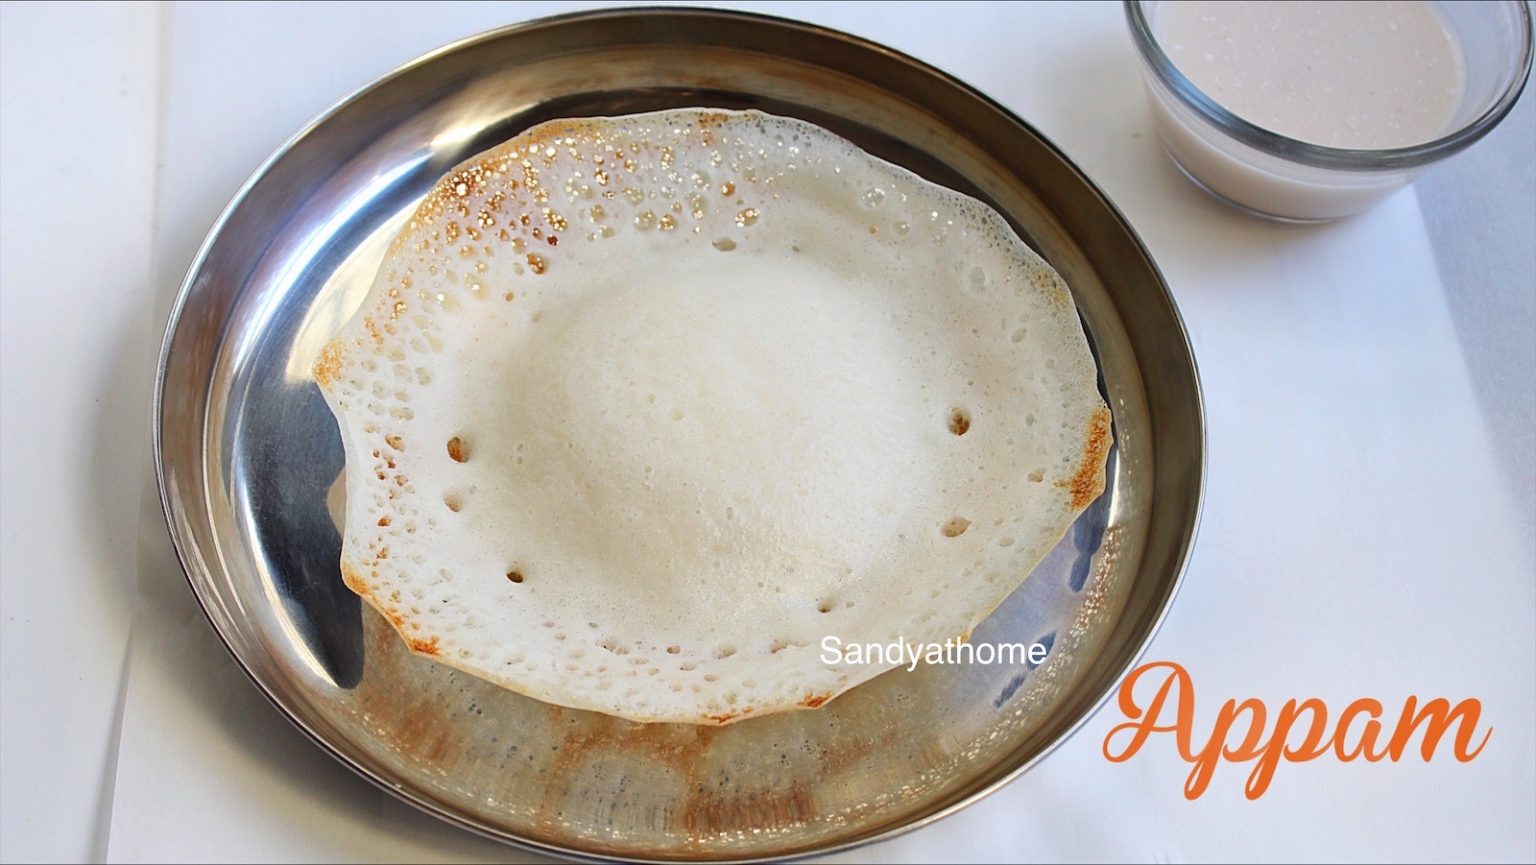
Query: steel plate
(247, 453)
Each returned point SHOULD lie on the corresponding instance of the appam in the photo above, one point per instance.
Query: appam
(641, 410)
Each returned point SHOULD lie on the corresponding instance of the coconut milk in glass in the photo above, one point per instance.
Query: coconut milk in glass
(1346, 74)
(1355, 75)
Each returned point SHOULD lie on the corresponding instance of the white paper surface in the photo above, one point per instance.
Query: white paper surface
(1359, 534)
(78, 361)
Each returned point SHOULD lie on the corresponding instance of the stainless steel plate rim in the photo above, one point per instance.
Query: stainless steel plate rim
(199, 580)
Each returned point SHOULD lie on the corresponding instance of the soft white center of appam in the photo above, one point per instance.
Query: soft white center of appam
(688, 433)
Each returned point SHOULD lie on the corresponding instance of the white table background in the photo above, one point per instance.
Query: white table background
(1369, 527)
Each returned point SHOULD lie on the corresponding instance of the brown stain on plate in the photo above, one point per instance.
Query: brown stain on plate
(713, 798)
(412, 723)
(708, 788)
(755, 811)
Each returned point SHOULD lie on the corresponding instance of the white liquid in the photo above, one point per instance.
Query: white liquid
(1360, 75)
